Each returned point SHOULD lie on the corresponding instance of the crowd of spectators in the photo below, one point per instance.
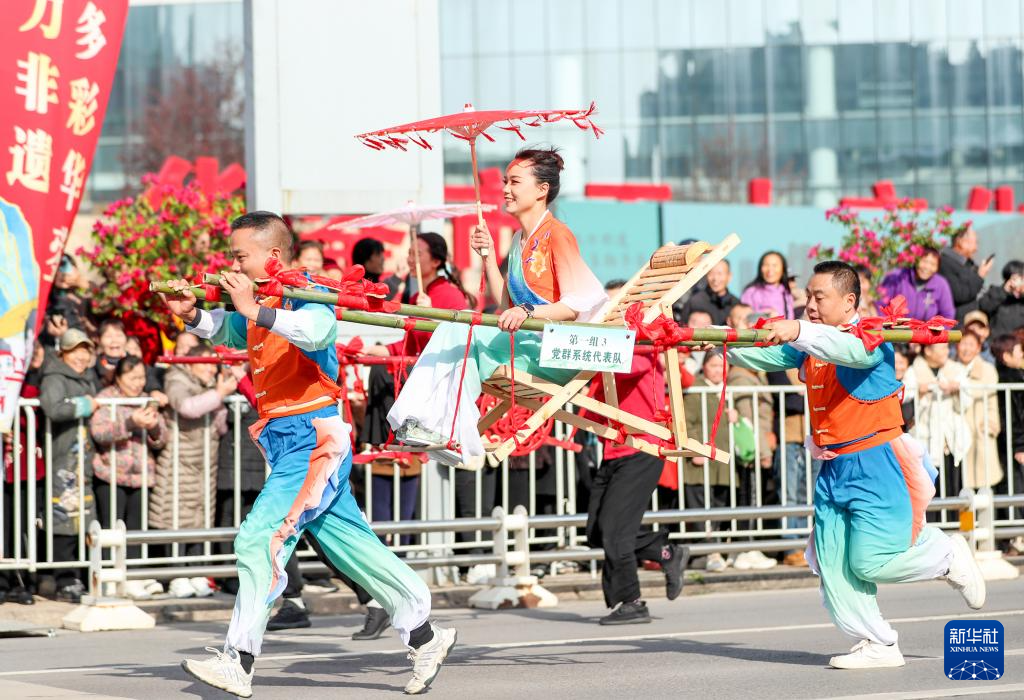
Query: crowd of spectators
(167, 452)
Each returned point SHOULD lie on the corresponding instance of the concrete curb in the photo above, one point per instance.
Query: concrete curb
(568, 587)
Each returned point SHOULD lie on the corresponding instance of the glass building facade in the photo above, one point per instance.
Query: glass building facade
(822, 96)
(160, 39)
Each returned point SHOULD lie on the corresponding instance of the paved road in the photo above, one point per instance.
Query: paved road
(766, 644)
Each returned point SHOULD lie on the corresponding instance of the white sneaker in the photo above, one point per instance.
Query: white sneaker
(964, 573)
(479, 574)
(201, 586)
(136, 590)
(868, 654)
(223, 671)
(754, 559)
(412, 432)
(427, 660)
(715, 563)
(180, 588)
(743, 562)
(153, 586)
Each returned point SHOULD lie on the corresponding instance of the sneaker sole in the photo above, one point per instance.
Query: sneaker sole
(189, 671)
(290, 626)
(635, 621)
(444, 655)
(839, 667)
(960, 543)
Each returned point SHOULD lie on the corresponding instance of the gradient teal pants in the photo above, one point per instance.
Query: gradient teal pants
(869, 528)
(308, 488)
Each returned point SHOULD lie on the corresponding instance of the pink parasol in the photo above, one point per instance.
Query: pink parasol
(469, 124)
(412, 215)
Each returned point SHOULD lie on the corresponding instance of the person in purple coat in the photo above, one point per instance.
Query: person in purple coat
(769, 292)
(927, 292)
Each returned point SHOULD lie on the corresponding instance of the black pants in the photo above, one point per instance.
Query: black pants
(747, 494)
(128, 508)
(694, 496)
(951, 477)
(465, 501)
(620, 494)
(545, 490)
(19, 531)
(65, 548)
(226, 511)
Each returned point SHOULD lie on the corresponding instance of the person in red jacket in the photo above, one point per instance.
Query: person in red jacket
(442, 289)
(620, 494)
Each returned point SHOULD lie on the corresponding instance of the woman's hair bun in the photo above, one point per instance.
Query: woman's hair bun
(546, 164)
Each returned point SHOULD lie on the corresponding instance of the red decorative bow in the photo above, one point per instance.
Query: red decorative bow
(357, 292)
(281, 277)
(862, 330)
(896, 312)
(352, 348)
(354, 290)
(762, 322)
(662, 331)
(935, 323)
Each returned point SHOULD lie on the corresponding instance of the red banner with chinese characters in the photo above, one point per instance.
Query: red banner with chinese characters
(57, 60)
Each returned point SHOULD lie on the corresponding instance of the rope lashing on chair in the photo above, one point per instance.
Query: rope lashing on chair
(664, 333)
(400, 372)
(512, 421)
(514, 429)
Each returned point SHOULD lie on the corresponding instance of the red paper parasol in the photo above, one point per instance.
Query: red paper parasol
(469, 124)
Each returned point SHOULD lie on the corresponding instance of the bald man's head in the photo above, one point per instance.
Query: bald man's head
(268, 230)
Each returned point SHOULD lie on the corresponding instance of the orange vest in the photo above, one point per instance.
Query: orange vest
(286, 381)
(837, 417)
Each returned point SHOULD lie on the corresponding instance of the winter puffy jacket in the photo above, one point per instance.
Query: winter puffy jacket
(63, 396)
(201, 420)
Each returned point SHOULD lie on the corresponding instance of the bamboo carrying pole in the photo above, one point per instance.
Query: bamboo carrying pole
(700, 335)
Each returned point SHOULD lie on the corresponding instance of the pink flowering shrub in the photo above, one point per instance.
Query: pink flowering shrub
(896, 239)
(168, 232)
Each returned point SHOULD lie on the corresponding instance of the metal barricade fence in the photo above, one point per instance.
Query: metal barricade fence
(454, 526)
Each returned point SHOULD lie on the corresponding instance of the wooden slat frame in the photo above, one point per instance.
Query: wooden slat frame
(574, 390)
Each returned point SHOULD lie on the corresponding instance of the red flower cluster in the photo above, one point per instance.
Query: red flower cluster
(896, 239)
(171, 232)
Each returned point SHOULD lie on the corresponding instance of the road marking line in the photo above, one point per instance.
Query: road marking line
(971, 690)
(554, 642)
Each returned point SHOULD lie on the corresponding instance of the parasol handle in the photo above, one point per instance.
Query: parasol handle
(414, 234)
(484, 252)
